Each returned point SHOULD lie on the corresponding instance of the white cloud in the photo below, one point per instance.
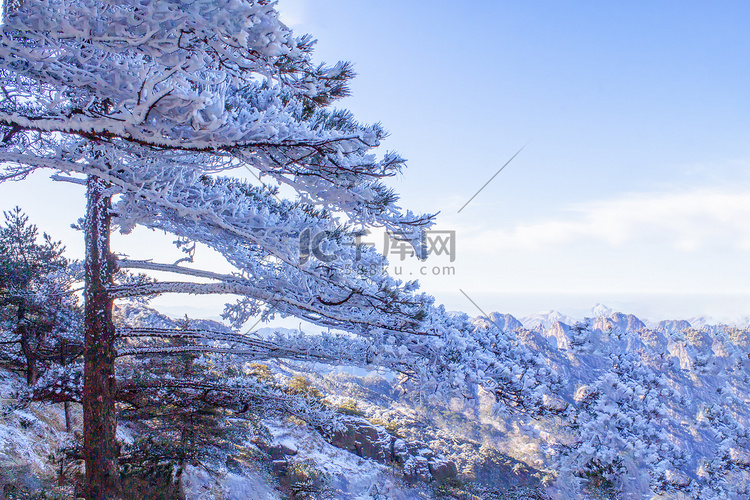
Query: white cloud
(685, 221)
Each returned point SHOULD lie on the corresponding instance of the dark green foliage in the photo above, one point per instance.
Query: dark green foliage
(23, 483)
(39, 315)
(22, 257)
(303, 481)
(179, 427)
(179, 433)
(472, 491)
(151, 483)
(599, 479)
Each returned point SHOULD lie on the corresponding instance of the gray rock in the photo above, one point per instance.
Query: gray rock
(417, 460)
(275, 451)
(443, 471)
(363, 439)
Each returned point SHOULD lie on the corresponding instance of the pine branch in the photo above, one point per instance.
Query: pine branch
(172, 268)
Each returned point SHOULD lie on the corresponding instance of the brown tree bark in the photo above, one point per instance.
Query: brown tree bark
(100, 449)
(29, 351)
(66, 404)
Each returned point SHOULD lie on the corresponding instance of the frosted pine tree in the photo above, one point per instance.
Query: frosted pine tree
(39, 314)
(153, 101)
(153, 105)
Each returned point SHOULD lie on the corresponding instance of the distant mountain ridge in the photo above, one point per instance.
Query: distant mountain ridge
(605, 318)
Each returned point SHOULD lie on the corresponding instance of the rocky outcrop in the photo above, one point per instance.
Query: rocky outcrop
(619, 322)
(505, 322)
(416, 460)
(362, 438)
(673, 326)
(277, 453)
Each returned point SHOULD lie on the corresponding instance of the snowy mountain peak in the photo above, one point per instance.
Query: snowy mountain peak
(601, 310)
(701, 321)
(545, 320)
(673, 326)
(505, 322)
(619, 321)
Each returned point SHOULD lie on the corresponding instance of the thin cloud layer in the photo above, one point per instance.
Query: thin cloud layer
(685, 221)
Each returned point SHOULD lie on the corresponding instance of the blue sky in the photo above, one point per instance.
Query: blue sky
(633, 188)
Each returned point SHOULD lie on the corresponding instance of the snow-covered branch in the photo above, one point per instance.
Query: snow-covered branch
(172, 268)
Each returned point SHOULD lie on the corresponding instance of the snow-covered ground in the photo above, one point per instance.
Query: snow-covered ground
(30, 437)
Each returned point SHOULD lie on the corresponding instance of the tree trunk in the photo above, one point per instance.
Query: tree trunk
(66, 404)
(100, 447)
(32, 374)
(29, 351)
(68, 420)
